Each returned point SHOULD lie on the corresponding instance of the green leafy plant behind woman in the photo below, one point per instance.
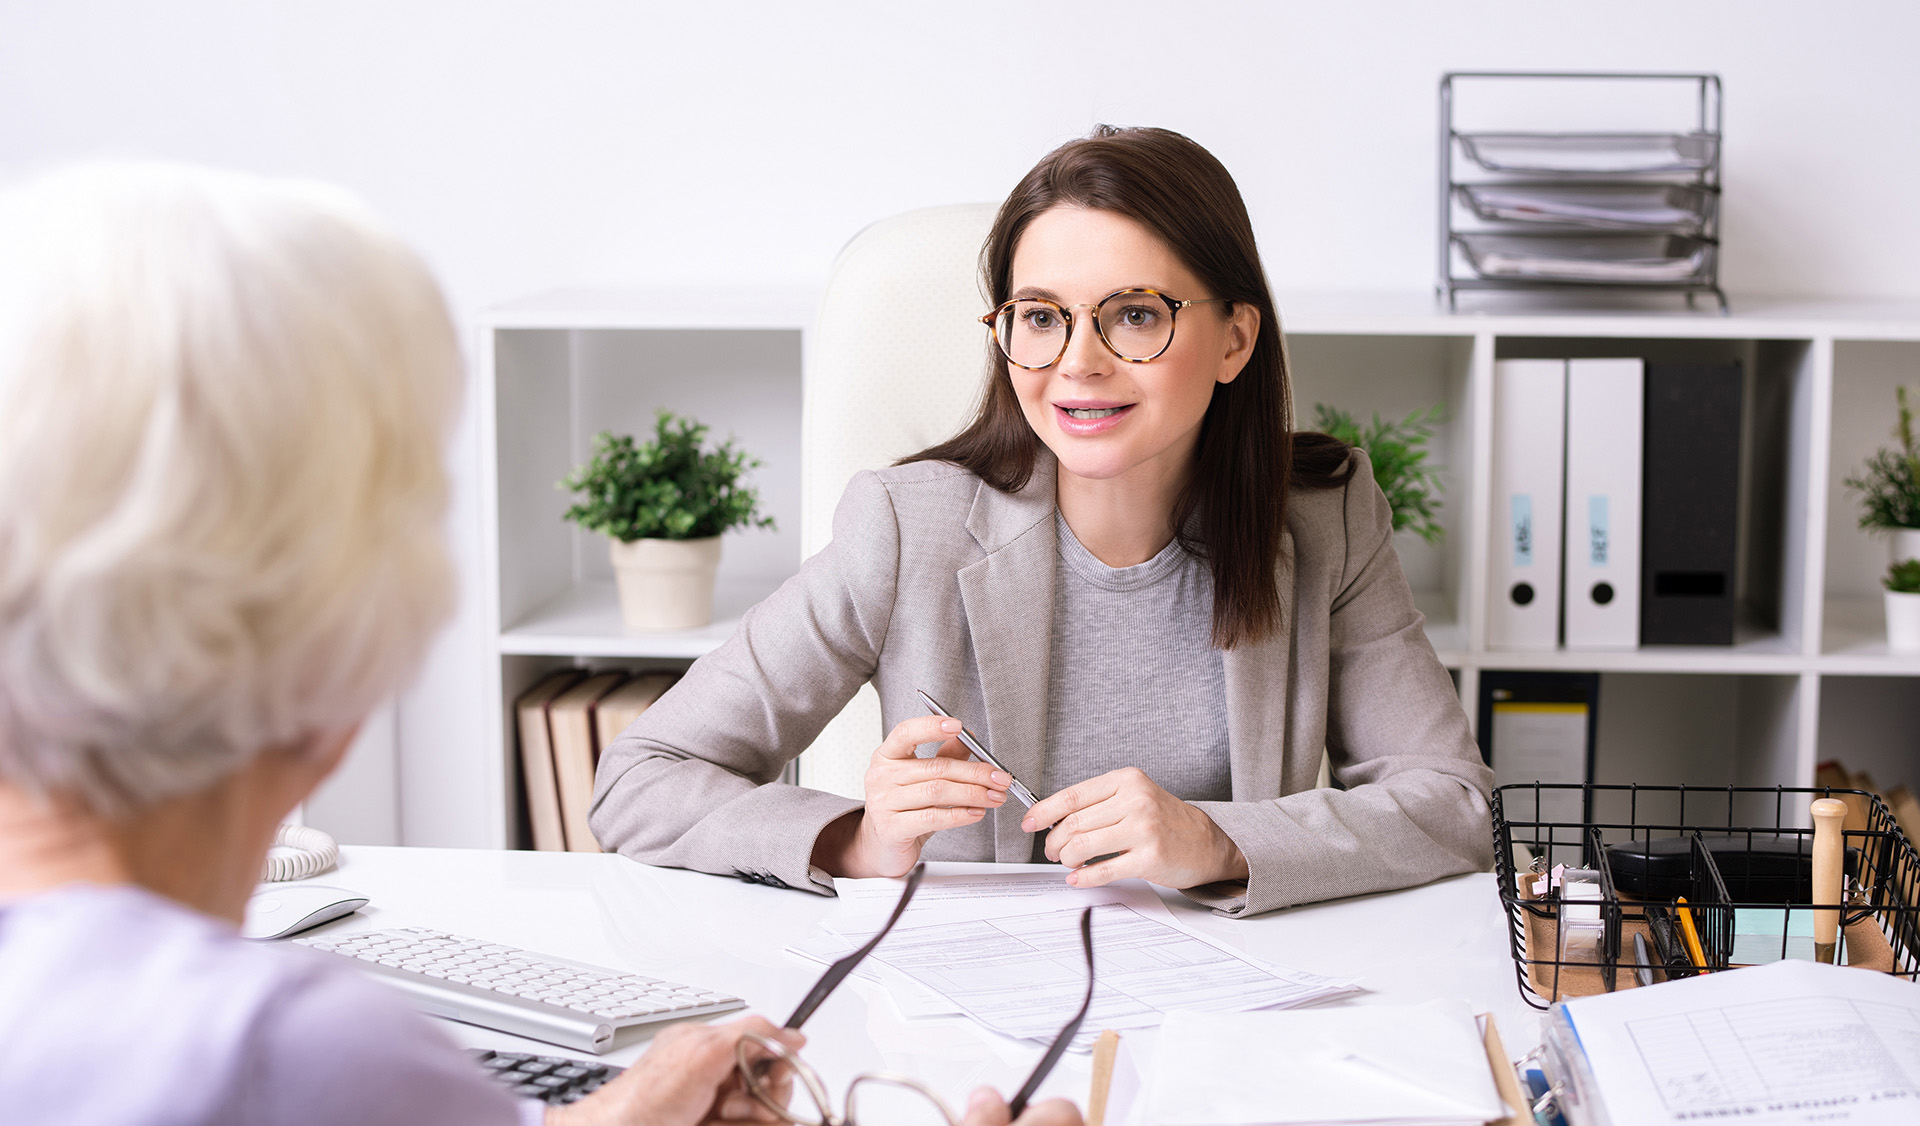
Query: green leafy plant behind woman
(1889, 484)
(1399, 456)
(665, 489)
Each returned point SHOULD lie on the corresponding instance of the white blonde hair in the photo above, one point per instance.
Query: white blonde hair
(224, 401)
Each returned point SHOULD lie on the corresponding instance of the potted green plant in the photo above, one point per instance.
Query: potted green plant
(1903, 606)
(1889, 487)
(663, 505)
(1398, 451)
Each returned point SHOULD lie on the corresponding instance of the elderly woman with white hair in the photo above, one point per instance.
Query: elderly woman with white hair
(223, 405)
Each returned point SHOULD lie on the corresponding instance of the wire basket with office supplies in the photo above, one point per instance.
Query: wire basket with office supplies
(1657, 883)
(1632, 204)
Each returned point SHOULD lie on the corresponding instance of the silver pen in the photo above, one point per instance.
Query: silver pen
(980, 751)
(1643, 964)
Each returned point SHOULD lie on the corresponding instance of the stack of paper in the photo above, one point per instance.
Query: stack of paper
(1785, 1044)
(1626, 206)
(1417, 1065)
(1589, 153)
(1617, 258)
(1005, 950)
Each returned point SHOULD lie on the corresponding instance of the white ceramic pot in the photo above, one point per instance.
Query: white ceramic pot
(666, 584)
(1903, 622)
(1902, 543)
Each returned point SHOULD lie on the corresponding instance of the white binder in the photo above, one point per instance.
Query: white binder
(1529, 447)
(1605, 408)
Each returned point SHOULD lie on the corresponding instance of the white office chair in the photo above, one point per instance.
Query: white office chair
(895, 364)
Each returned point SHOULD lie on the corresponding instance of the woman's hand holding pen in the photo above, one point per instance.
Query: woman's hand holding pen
(909, 799)
(1140, 829)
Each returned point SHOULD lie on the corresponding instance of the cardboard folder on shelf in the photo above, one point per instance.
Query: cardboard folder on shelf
(1602, 590)
(536, 758)
(1529, 448)
(619, 708)
(575, 754)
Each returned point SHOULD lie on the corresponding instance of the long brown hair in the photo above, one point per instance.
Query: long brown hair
(1234, 506)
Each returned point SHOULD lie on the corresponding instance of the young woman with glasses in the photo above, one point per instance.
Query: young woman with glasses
(1152, 600)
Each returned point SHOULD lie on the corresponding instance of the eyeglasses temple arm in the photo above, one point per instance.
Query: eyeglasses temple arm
(838, 972)
(1018, 1105)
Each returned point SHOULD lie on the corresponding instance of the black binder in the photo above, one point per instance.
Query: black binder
(1690, 504)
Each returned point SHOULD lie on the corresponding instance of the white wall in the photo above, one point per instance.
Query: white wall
(526, 146)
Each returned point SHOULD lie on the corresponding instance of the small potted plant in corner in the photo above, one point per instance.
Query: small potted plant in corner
(1903, 606)
(663, 504)
(1889, 487)
(1398, 453)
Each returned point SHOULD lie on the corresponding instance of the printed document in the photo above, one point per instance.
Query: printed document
(1401, 1064)
(1006, 951)
(1790, 1042)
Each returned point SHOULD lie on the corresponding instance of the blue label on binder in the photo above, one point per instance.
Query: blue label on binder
(1522, 530)
(1597, 530)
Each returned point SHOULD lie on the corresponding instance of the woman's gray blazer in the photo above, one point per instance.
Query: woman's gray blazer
(935, 580)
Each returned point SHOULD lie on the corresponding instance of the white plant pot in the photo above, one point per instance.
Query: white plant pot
(666, 584)
(1902, 543)
(1903, 622)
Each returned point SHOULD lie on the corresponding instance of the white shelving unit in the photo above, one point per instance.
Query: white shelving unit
(1808, 678)
(557, 369)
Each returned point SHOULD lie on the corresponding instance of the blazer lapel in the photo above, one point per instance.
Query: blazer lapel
(1259, 684)
(1008, 598)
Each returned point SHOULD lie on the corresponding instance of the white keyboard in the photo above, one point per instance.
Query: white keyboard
(539, 996)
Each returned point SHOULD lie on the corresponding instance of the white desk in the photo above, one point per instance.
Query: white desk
(1442, 940)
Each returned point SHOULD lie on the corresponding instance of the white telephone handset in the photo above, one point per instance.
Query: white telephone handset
(300, 852)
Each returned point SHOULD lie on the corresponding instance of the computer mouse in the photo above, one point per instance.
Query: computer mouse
(277, 910)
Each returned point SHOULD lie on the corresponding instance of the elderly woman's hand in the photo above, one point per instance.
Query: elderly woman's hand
(987, 1108)
(687, 1078)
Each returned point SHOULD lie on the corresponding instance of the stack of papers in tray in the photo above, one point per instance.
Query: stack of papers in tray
(1600, 258)
(1621, 206)
(1409, 1065)
(1590, 153)
(1005, 950)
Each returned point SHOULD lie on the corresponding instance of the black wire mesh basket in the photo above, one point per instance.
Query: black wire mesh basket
(1614, 887)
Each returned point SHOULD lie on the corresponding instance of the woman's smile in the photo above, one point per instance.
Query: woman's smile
(1087, 417)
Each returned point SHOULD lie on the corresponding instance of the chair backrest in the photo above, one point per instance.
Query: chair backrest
(894, 365)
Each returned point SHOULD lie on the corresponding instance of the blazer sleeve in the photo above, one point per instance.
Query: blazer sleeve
(1411, 803)
(694, 782)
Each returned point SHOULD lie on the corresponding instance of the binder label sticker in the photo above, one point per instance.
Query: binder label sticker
(1597, 530)
(1522, 530)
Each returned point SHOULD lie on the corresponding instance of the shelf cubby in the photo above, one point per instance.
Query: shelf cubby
(1872, 724)
(1865, 375)
(1395, 376)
